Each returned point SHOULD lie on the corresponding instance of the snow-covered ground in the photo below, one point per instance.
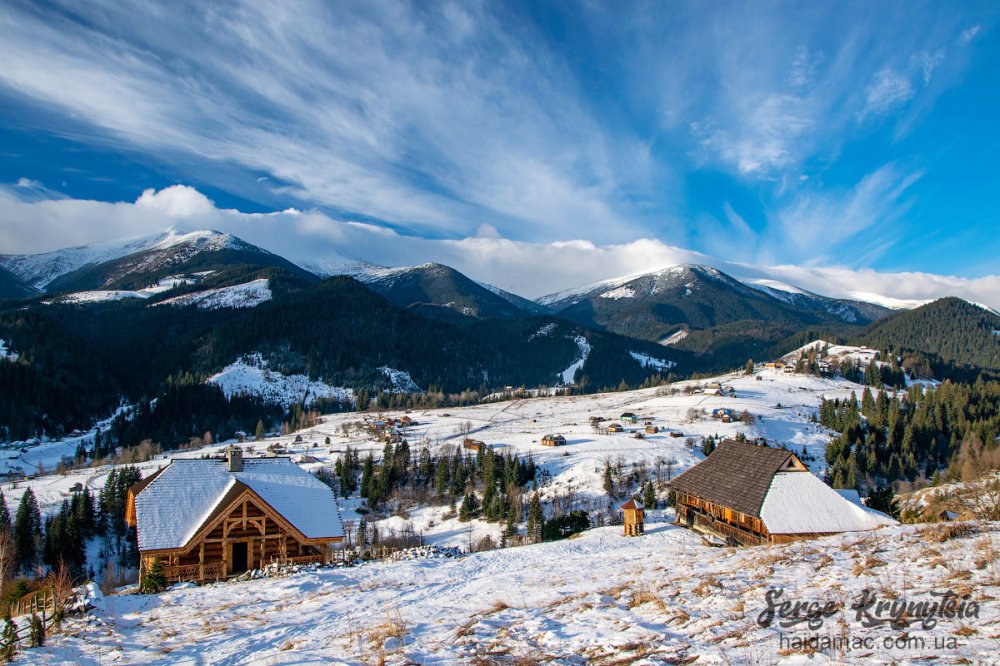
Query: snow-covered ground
(6, 354)
(246, 295)
(567, 376)
(781, 405)
(593, 599)
(600, 598)
(250, 375)
(647, 361)
(104, 295)
(832, 352)
(400, 379)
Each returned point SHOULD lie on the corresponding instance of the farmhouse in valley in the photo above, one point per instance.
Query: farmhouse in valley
(752, 494)
(206, 519)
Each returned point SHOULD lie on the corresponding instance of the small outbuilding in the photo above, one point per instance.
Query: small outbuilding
(473, 444)
(634, 516)
(615, 427)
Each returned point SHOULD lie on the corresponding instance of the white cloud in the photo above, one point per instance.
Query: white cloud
(968, 35)
(531, 269)
(887, 91)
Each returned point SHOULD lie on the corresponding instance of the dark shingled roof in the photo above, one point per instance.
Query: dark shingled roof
(736, 475)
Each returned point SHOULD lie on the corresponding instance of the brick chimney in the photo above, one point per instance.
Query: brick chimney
(234, 459)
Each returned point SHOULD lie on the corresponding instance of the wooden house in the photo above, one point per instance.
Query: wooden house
(652, 429)
(473, 444)
(629, 417)
(750, 494)
(634, 514)
(207, 519)
(553, 440)
(615, 427)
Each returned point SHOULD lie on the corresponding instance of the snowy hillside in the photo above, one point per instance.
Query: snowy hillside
(246, 295)
(39, 270)
(251, 376)
(601, 598)
(597, 597)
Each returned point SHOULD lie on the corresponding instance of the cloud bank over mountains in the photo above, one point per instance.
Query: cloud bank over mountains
(316, 241)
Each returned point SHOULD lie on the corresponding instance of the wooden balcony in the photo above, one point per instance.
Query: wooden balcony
(725, 530)
(198, 573)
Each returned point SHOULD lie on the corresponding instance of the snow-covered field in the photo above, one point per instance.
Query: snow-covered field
(665, 597)
(780, 403)
(600, 598)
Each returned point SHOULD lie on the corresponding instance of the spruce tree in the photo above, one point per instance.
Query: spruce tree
(649, 496)
(4, 514)
(535, 518)
(27, 531)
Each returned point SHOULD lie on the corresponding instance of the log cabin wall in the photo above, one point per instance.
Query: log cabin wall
(245, 522)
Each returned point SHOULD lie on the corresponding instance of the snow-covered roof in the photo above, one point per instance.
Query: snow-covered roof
(800, 503)
(175, 505)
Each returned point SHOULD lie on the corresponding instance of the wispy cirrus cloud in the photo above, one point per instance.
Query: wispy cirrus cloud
(424, 118)
(562, 121)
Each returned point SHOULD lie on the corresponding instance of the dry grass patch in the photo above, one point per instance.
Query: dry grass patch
(498, 607)
(867, 565)
(822, 562)
(941, 532)
(647, 597)
(704, 588)
(986, 553)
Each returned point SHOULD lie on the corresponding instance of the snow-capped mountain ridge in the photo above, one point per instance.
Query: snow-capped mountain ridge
(41, 270)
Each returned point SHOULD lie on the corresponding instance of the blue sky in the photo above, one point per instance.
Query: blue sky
(856, 135)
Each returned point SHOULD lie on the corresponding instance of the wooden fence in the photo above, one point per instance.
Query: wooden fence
(43, 600)
(42, 603)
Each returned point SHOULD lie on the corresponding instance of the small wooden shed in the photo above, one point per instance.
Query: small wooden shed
(634, 515)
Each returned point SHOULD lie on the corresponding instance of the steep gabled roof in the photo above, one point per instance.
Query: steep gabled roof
(172, 507)
(799, 503)
(736, 475)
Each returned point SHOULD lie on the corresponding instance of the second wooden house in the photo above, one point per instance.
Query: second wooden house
(753, 494)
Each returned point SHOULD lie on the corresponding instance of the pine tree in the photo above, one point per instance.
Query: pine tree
(8, 641)
(469, 508)
(4, 514)
(259, 436)
(27, 531)
(609, 483)
(155, 580)
(536, 517)
(37, 635)
(649, 496)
